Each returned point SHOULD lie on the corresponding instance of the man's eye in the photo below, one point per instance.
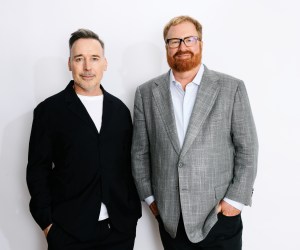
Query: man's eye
(95, 59)
(78, 59)
(174, 41)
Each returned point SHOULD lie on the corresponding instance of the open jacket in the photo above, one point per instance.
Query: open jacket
(72, 167)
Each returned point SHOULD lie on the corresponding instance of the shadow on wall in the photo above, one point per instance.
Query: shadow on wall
(16, 222)
(147, 237)
(17, 227)
(140, 63)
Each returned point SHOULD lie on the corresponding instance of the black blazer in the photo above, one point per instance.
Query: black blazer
(72, 167)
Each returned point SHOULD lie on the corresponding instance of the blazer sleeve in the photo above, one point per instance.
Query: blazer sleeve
(140, 154)
(39, 169)
(244, 138)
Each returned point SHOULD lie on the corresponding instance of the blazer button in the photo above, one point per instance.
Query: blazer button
(180, 165)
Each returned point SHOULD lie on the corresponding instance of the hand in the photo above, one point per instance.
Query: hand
(47, 229)
(227, 210)
(153, 208)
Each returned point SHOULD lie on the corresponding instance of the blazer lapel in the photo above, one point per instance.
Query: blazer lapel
(162, 97)
(76, 106)
(206, 96)
(107, 110)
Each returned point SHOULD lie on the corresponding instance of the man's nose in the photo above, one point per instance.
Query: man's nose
(87, 65)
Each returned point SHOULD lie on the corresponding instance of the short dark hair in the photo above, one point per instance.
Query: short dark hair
(86, 34)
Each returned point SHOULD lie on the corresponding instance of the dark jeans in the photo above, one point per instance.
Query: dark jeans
(226, 234)
(109, 239)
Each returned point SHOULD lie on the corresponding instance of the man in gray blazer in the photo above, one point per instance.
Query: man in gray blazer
(194, 147)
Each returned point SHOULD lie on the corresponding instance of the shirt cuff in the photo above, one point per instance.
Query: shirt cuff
(235, 204)
(149, 200)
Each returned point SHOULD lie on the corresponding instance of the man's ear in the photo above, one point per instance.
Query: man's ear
(105, 64)
(69, 64)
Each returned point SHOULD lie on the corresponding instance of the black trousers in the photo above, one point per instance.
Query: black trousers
(109, 239)
(226, 234)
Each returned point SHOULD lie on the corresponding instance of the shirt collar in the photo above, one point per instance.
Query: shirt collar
(196, 80)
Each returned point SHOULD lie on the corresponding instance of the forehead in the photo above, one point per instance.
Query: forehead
(182, 30)
(86, 46)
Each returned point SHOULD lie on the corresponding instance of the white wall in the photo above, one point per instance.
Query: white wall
(257, 41)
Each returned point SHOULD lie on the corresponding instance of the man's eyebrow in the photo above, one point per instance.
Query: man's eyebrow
(80, 55)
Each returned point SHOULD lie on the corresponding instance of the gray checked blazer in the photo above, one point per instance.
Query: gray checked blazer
(218, 157)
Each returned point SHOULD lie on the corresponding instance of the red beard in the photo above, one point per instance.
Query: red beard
(185, 64)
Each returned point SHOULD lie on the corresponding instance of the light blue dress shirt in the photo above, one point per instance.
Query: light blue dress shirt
(183, 102)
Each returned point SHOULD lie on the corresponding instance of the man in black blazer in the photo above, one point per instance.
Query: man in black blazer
(79, 166)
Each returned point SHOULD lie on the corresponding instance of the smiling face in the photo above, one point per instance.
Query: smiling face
(183, 58)
(87, 63)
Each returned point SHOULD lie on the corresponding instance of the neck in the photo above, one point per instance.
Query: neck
(87, 92)
(186, 77)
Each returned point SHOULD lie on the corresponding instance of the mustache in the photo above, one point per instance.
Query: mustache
(179, 53)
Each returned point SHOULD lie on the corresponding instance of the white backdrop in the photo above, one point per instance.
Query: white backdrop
(257, 41)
